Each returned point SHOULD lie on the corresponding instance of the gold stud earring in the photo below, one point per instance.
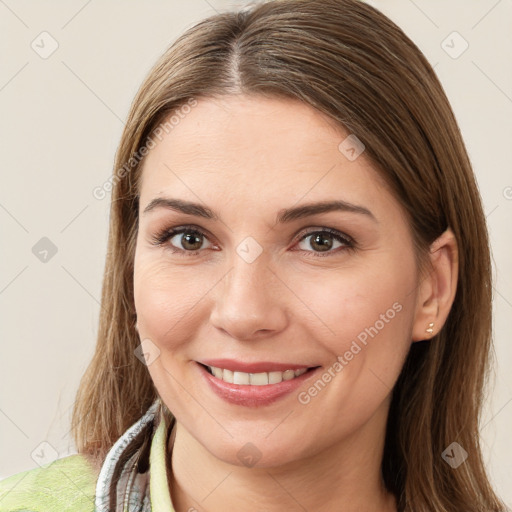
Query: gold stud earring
(430, 329)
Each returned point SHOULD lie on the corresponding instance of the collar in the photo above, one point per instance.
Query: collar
(133, 477)
(158, 482)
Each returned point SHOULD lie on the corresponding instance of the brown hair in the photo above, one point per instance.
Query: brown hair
(349, 61)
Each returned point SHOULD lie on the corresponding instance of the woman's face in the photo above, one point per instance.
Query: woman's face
(257, 283)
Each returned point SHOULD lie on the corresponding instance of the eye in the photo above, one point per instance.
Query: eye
(324, 240)
(188, 241)
(184, 239)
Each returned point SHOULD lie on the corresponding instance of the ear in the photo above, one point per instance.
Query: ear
(437, 289)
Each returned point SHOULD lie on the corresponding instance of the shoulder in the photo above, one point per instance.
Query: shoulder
(67, 484)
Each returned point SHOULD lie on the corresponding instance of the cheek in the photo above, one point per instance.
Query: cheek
(365, 315)
(164, 300)
(371, 316)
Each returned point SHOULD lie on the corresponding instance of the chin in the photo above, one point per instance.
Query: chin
(258, 451)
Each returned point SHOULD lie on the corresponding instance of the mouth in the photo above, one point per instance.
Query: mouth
(254, 389)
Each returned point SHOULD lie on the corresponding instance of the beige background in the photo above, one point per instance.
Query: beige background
(61, 120)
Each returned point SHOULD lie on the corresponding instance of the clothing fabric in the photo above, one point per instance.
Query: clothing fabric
(133, 476)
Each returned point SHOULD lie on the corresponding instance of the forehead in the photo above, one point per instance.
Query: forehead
(248, 146)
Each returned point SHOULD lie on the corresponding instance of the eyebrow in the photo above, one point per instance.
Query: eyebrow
(283, 216)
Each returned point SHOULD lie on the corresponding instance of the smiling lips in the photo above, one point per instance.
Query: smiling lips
(253, 384)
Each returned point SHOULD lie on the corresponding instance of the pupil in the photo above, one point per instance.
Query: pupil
(320, 239)
(193, 239)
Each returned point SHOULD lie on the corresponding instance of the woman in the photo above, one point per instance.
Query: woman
(296, 310)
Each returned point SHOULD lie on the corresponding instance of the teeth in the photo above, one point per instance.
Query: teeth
(217, 372)
(258, 379)
(288, 375)
(241, 378)
(255, 379)
(275, 377)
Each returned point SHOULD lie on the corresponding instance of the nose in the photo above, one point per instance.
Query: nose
(250, 301)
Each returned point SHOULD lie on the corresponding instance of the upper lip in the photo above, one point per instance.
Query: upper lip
(254, 367)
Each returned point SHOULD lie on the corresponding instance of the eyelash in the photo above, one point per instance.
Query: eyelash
(165, 235)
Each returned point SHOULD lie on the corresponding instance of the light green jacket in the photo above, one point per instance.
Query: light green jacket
(70, 484)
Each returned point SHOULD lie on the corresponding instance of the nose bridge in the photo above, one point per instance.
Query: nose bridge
(247, 284)
(247, 300)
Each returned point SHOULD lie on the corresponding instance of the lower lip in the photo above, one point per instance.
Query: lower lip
(253, 396)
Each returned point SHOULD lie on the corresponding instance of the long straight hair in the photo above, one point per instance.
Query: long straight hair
(347, 60)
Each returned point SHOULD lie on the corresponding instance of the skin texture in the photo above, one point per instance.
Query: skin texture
(247, 158)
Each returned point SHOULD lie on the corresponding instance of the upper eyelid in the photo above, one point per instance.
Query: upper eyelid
(325, 229)
(307, 230)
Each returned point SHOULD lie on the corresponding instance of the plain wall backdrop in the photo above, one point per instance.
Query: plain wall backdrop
(69, 71)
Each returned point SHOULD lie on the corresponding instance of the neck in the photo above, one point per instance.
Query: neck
(348, 473)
